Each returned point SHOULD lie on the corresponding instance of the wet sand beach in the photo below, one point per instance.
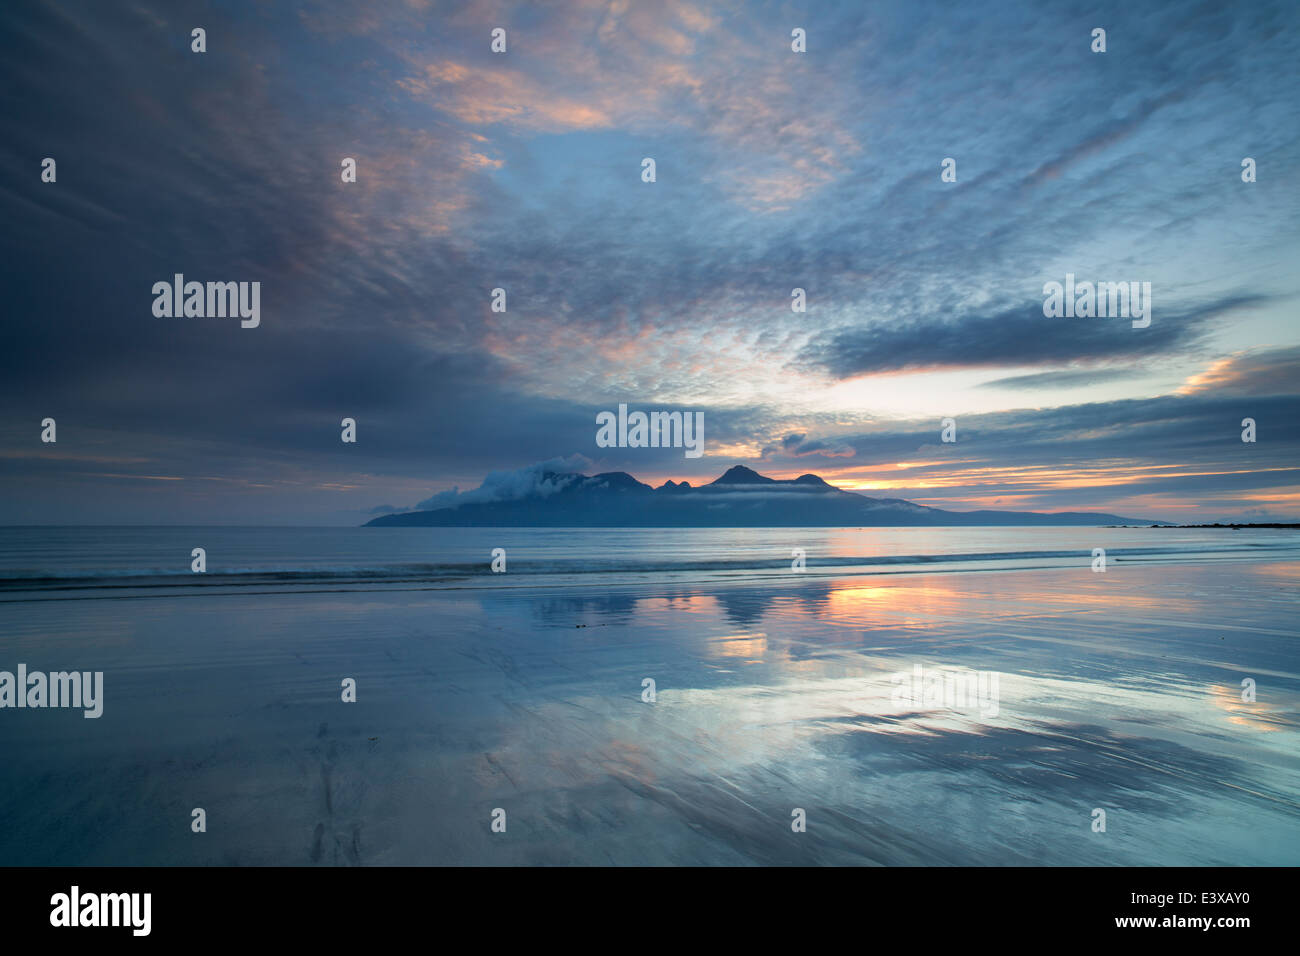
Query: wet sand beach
(1119, 691)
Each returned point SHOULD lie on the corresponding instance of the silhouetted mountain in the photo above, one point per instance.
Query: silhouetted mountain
(740, 498)
(740, 475)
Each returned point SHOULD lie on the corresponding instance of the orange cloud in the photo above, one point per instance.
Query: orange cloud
(489, 96)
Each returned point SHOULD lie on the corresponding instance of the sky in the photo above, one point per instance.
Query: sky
(523, 170)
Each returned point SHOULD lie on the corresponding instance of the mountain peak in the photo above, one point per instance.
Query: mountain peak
(740, 475)
(620, 480)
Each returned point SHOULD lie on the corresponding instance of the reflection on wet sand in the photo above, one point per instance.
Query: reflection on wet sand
(1119, 691)
(1112, 695)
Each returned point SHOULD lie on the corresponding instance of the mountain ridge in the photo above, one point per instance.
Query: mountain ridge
(740, 497)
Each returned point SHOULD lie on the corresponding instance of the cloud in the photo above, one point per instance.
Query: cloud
(1065, 378)
(1018, 336)
(486, 96)
(1185, 451)
(538, 480)
(1111, 133)
(477, 171)
(798, 446)
(1254, 372)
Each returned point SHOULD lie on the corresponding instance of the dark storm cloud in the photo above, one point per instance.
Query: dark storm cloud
(1021, 336)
